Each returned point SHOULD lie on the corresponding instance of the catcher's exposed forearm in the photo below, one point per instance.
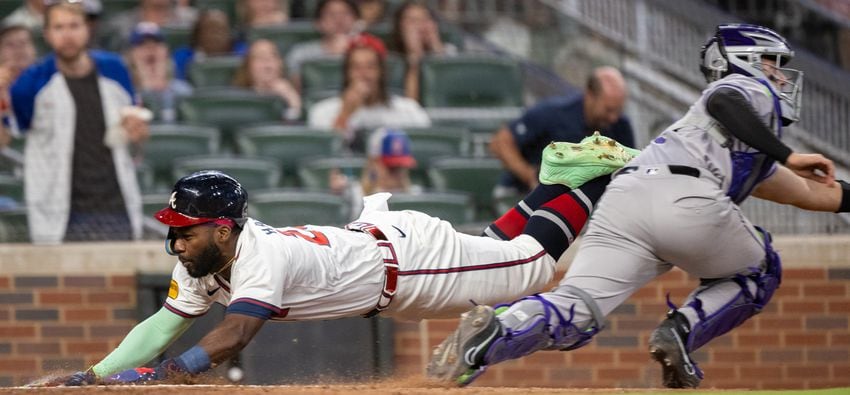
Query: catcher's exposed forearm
(147, 340)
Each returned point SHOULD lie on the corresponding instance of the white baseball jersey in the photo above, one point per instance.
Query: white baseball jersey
(693, 141)
(322, 272)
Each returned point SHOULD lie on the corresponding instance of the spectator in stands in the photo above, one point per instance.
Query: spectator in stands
(211, 36)
(569, 119)
(263, 13)
(164, 13)
(416, 34)
(75, 107)
(262, 72)
(17, 51)
(153, 71)
(372, 12)
(365, 103)
(336, 21)
(387, 169)
(30, 14)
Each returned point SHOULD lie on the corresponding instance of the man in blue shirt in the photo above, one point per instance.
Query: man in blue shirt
(567, 119)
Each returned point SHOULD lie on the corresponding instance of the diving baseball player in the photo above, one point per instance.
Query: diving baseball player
(676, 203)
(401, 264)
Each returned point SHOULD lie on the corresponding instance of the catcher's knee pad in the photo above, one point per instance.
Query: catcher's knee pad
(538, 331)
(744, 305)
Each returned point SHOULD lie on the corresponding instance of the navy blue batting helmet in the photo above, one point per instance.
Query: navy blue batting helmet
(205, 196)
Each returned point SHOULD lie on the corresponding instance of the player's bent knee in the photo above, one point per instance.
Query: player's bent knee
(745, 305)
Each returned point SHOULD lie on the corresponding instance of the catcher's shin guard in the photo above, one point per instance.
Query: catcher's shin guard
(484, 338)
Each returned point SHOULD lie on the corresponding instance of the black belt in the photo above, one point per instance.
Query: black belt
(674, 169)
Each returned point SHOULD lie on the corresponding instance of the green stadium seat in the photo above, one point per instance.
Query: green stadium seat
(286, 36)
(216, 71)
(252, 173)
(427, 144)
(176, 36)
(314, 173)
(7, 6)
(113, 7)
(230, 109)
(11, 186)
(289, 145)
(169, 142)
(476, 176)
(13, 226)
(454, 207)
(470, 81)
(285, 207)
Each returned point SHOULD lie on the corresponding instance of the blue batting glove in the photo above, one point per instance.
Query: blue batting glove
(135, 376)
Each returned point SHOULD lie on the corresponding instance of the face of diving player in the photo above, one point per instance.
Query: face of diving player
(196, 249)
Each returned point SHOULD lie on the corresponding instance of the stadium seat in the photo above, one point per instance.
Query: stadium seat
(289, 145)
(7, 6)
(216, 71)
(230, 109)
(322, 77)
(470, 81)
(252, 173)
(427, 144)
(286, 36)
(13, 226)
(228, 6)
(454, 207)
(476, 176)
(314, 174)
(169, 142)
(12, 187)
(176, 36)
(284, 207)
(113, 7)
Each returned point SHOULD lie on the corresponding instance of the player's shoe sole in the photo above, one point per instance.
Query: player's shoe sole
(667, 347)
(458, 359)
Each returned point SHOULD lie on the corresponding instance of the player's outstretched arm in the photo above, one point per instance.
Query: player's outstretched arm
(786, 187)
(145, 342)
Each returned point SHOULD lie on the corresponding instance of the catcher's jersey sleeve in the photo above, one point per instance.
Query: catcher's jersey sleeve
(187, 296)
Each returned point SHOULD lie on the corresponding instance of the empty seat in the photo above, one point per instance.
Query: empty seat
(12, 187)
(216, 71)
(454, 207)
(476, 176)
(176, 36)
(290, 145)
(13, 226)
(286, 36)
(285, 207)
(314, 174)
(252, 173)
(470, 81)
(428, 144)
(169, 142)
(230, 109)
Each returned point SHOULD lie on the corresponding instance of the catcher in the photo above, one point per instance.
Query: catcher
(400, 264)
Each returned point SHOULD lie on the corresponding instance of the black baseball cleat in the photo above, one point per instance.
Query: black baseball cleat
(667, 346)
(460, 358)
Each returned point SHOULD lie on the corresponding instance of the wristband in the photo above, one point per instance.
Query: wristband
(844, 207)
(194, 361)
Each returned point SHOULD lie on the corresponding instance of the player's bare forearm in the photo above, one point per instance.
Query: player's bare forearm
(230, 336)
(786, 187)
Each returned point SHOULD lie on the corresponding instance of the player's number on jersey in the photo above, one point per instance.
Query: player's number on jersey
(312, 236)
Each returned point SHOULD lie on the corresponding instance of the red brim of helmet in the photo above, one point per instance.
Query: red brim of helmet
(177, 220)
(399, 161)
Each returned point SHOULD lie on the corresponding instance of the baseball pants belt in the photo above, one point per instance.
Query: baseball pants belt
(673, 169)
(390, 260)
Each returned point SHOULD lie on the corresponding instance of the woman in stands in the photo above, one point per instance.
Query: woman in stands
(211, 36)
(262, 72)
(416, 34)
(263, 13)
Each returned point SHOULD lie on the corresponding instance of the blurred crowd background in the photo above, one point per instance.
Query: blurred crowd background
(312, 104)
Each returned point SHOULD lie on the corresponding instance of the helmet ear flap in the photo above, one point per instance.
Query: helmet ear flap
(715, 64)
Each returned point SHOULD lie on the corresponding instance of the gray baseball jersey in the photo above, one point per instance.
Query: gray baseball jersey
(652, 217)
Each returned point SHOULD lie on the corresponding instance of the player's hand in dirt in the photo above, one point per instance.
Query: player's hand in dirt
(136, 376)
(73, 380)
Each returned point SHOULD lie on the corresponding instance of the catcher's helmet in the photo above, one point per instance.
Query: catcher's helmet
(741, 48)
